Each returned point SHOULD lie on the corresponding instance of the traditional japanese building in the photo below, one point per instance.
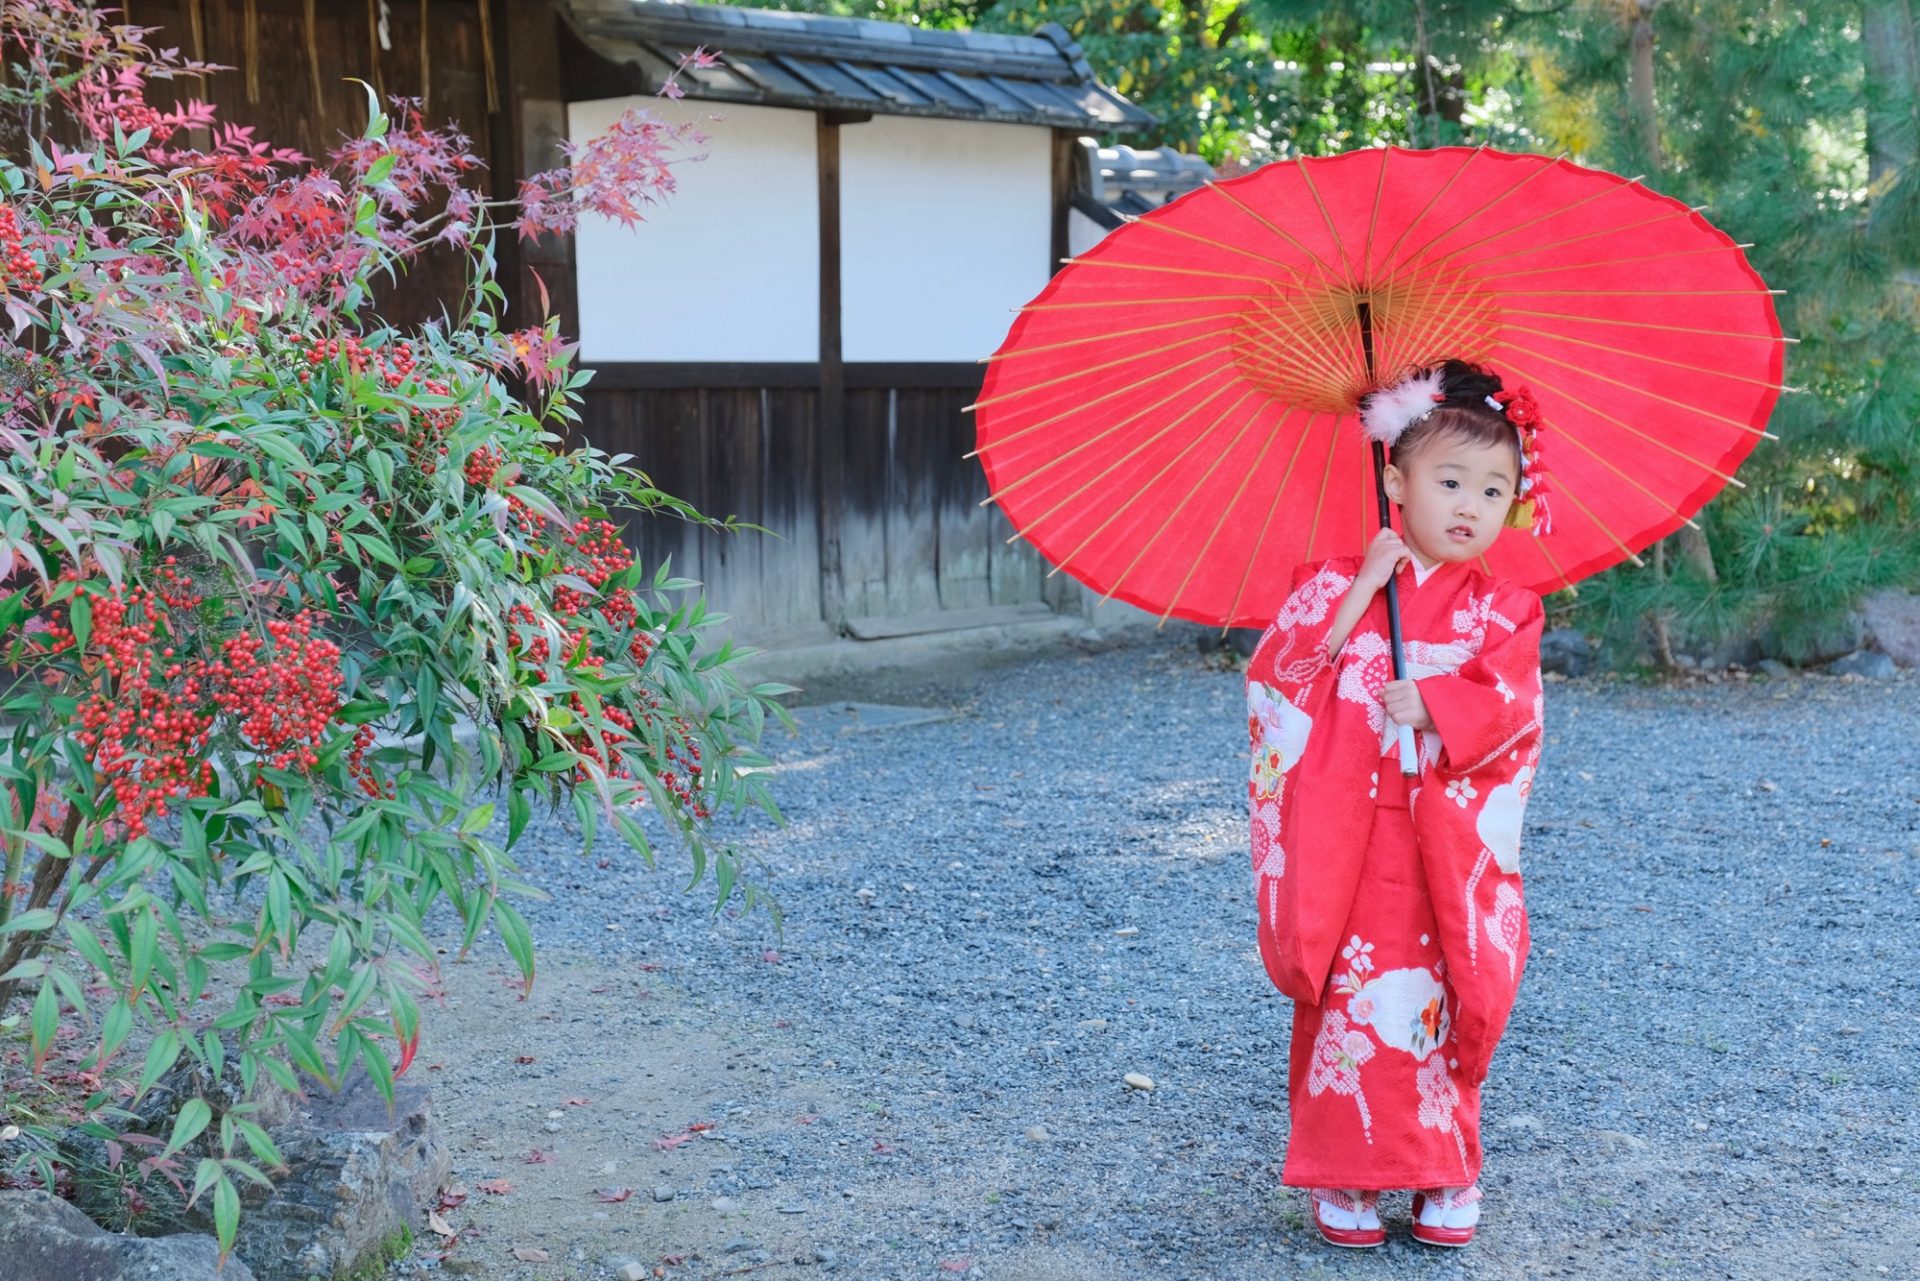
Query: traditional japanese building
(792, 337)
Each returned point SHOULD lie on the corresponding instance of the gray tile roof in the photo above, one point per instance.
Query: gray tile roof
(810, 61)
(1125, 180)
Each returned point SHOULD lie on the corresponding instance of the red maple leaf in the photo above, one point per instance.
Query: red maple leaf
(538, 1157)
(613, 1196)
(495, 1187)
(578, 1102)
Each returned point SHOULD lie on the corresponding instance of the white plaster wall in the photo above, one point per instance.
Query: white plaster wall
(728, 267)
(945, 229)
(1083, 233)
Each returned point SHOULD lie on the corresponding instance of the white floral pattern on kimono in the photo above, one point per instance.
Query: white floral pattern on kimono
(1337, 1055)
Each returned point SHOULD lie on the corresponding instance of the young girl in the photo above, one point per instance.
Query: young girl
(1390, 906)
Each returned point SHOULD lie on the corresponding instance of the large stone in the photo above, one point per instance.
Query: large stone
(1893, 625)
(358, 1179)
(43, 1238)
(1566, 651)
(1833, 637)
(1864, 663)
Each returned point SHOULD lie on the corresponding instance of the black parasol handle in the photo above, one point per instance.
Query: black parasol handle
(1409, 755)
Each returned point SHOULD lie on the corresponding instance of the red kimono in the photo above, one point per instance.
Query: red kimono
(1390, 908)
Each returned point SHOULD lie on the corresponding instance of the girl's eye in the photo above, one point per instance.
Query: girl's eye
(1450, 483)
(1493, 493)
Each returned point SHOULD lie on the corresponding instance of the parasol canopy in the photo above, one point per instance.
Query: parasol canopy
(1172, 420)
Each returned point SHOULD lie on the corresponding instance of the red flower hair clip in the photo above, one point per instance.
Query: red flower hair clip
(1530, 504)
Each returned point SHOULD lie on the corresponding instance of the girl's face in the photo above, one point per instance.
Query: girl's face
(1453, 496)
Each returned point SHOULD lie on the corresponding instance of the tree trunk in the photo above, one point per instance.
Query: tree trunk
(1646, 117)
(1690, 543)
(1888, 46)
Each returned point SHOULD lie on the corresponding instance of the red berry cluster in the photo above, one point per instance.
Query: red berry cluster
(286, 700)
(686, 788)
(359, 770)
(426, 429)
(533, 640)
(19, 270)
(483, 464)
(598, 545)
(145, 725)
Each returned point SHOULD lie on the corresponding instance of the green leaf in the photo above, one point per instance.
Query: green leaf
(477, 820)
(88, 945)
(39, 918)
(193, 1118)
(161, 1055)
(514, 933)
(115, 1026)
(379, 171)
(204, 1175)
(46, 1018)
(81, 620)
(554, 762)
(519, 811)
(226, 1214)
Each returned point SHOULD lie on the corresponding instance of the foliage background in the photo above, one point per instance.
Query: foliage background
(1794, 123)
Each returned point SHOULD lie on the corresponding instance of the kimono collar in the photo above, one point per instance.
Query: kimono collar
(1422, 574)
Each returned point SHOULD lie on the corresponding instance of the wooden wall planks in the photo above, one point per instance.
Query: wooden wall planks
(914, 538)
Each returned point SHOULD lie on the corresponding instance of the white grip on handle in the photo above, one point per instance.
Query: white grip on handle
(1409, 754)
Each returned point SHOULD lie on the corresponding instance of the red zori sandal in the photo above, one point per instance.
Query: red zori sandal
(1348, 1217)
(1446, 1216)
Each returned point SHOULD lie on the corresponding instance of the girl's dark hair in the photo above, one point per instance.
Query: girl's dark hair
(1464, 414)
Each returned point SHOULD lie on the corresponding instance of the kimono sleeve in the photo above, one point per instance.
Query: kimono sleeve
(1290, 658)
(1290, 680)
(1482, 709)
(1468, 818)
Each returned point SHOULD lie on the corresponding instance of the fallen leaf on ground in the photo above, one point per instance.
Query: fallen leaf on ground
(495, 1187)
(884, 1149)
(538, 1157)
(770, 956)
(438, 1225)
(673, 1260)
(698, 1126)
(453, 1196)
(613, 1196)
(956, 1265)
(523, 1058)
(670, 1141)
(646, 965)
(530, 1254)
(578, 1103)
(807, 1118)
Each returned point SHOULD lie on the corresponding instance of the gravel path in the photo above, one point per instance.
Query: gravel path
(993, 917)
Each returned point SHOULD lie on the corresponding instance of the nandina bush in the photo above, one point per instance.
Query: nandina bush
(293, 602)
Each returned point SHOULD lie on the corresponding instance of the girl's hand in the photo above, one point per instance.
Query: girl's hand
(1385, 555)
(1405, 706)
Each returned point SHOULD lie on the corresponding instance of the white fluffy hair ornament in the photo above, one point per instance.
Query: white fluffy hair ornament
(1385, 413)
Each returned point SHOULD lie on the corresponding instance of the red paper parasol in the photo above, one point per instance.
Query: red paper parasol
(1172, 421)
